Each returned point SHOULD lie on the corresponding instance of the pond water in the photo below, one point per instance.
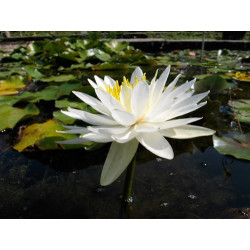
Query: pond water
(198, 183)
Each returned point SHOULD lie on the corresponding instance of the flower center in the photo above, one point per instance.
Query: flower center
(116, 89)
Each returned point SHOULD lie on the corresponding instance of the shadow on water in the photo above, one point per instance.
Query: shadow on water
(198, 183)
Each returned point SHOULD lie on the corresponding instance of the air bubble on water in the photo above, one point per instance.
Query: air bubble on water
(2, 131)
(158, 159)
(74, 172)
(164, 204)
(243, 213)
(100, 190)
(130, 200)
(192, 196)
(204, 164)
(172, 174)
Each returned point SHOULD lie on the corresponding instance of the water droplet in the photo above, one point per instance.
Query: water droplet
(100, 190)
(4, 130)
(158, 159)
(192, 196)
(172, 174)
(204, 164)
(164, 204)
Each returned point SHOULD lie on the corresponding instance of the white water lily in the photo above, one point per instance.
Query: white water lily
(136, 112)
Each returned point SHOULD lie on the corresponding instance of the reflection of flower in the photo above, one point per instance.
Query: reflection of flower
(136, 112)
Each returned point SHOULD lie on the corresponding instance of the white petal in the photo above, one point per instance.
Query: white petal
(108, 100)
(100, 82)
(108, 130)
(157, 107)
(71, 115)
(74, 130)
(184, 110)
(181, 89)
(119, 157)
(93, 102)
(187, 131)
(171, 86)
(125, 137)
(74, 141)
(157, 126)
(153, 81)
(108, 80)
(123, 117)
(157, 144)
(93, 119)
(97, 138)
(137, 72)
(139, 99)
(125, 97)
(191, 100)
(94, 85)
(159, 85)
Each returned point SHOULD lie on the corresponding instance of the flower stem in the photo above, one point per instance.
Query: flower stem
(126, 197)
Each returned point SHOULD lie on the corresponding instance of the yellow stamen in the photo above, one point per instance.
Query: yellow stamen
(116, 89)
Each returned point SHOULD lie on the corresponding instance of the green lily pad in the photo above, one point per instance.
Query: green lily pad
(63, 118)
(65, 103)
(33, 72)
(110, 66)
(11, 85)
(10, 116)
(215, 84)
(60, 78)
(242, 109)
(116, 46)
(50, 93)
(8, 99)
(239, 148)
(44, 136)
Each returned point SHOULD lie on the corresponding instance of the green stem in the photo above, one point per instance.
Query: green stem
(129, 181)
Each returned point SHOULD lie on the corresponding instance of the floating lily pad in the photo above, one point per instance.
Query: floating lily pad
(60, 78)
(50, 93)
(242, 108)
(63, 118)
(110, 66)
(44, 136)
(11, 85)
(9, 100)
(33, 72)
(239, 148)
(65, 103)
(116, 46)
(215, 84)
(242, 77)
(10, 116)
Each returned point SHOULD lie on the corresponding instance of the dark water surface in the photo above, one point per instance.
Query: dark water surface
(198, 183)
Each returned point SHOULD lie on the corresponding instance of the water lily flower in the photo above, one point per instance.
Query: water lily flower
(136, 112)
